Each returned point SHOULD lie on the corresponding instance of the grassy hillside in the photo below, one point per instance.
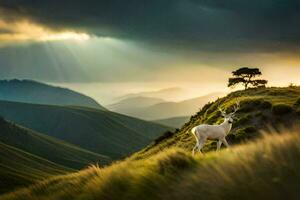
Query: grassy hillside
(176, 122)
(172, 109)
(261, 108)
(28, 91)
(266, 169)
(19, 168)
(47, 147)
(103, 132)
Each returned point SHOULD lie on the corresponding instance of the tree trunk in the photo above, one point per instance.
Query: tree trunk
(246, 86)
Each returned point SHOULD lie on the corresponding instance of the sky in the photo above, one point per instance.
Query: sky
(100, 46)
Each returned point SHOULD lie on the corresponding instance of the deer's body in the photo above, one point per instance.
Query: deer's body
(219, 132)
(212, 131)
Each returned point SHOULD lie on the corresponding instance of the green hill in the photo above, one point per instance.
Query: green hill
(46, 147)
(103, 132)
(261, 108)
(19, 168)
(29, 91)
(266, 169)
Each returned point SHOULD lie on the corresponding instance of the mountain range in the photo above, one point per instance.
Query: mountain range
(29, 91)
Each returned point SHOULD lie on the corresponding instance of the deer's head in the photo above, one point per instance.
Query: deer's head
(230, 116)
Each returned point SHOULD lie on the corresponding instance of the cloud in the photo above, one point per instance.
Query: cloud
(209, 25)
(11, 32)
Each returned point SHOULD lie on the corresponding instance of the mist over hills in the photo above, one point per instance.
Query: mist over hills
(29, 91)
(167, 94)
(176, 122)
(130, 104)
(162, 110)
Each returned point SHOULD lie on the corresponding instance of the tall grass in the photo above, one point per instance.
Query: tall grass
(265, 169)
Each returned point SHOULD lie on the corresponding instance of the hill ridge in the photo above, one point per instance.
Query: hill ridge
(30, 91)
(19, 168)
(47, 147)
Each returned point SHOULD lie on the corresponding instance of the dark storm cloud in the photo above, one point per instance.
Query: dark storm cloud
(203, 24)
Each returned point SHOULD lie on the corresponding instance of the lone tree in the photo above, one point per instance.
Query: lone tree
(247, 76)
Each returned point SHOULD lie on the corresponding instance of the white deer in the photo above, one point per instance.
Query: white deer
(219, 132)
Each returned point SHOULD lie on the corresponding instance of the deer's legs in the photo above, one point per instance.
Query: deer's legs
(201, 144)
(225, 142)
(196, 146)
(219, 145)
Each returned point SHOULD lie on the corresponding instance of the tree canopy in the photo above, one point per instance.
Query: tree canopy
(247, 76)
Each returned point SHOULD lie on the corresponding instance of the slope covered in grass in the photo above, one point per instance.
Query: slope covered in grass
(19, 168)
(103, 132)
(265, 169)
(46, 147)
(261, 108)
(29, 91)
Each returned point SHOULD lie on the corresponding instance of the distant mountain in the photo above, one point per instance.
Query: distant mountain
(133, 104)
(170, 109)
(103, 132)
(175, 122)
(29, 91)
(49, 148)
(167, 94)
(19, 168)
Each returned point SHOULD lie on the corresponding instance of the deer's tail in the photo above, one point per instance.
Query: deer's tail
(191, 131)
